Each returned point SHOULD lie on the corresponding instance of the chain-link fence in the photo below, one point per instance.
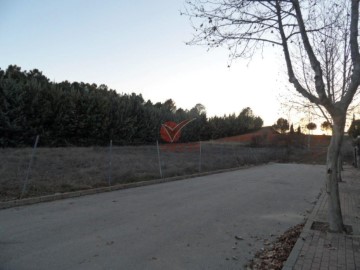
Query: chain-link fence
(35, 171)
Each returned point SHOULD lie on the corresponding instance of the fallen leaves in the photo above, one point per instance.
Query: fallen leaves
(273, 256)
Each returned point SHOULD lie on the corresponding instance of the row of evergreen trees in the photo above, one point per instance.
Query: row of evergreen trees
(83, 114)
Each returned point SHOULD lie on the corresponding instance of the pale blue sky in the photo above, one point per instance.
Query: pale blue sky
(135, 46)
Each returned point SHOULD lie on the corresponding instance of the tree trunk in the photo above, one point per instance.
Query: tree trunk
(332, 188)
(340, 167)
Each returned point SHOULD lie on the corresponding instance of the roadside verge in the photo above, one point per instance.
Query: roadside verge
(60, 196)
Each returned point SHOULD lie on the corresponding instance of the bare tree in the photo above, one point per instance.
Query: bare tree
(302, 28)
(332, 47)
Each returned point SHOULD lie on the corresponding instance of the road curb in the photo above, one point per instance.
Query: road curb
(295, 252)
(61, 196)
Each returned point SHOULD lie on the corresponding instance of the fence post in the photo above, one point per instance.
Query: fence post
(158, 152)
(222, 145)
(200, 156)
(110, 163)
(255, 156)
(355, 158)
(29, 167)
(234, 154)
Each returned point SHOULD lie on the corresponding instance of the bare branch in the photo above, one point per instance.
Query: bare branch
(314, 35)
(355, 55)
(315, 64)
(292, 77)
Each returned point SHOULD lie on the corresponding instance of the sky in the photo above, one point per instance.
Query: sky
(137, 46)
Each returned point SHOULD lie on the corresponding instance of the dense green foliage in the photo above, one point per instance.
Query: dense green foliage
(281, 125)
(311, 126)
(326, 126)
(83, 114)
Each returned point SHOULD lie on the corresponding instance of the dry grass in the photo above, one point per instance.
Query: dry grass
(57, 170)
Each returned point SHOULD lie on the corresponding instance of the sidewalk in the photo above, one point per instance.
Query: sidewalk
(316, 249)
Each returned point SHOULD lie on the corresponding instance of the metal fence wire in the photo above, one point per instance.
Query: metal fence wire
(40, 171)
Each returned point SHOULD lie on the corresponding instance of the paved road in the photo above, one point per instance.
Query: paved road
(189, 224)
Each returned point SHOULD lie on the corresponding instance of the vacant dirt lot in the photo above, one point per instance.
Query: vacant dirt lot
(68, 169)
(57, 170)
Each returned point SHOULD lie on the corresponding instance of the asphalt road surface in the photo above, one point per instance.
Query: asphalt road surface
(196, 223)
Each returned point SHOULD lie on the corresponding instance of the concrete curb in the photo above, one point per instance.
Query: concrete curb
(295, 252)
(60, 196)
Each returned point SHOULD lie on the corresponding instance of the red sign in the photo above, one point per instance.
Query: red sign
(171, 131)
